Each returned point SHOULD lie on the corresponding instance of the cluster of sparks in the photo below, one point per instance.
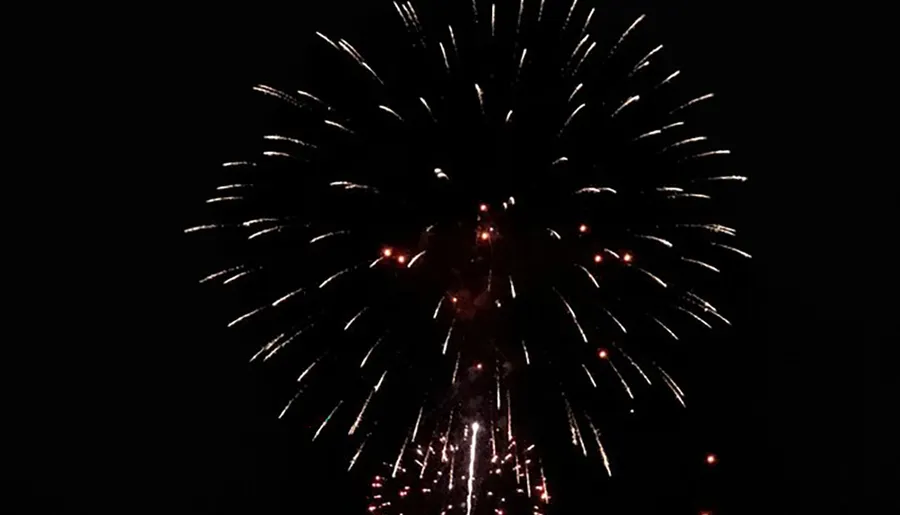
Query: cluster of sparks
(467, 458)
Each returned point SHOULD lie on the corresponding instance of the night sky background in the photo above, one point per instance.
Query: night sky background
(169, 418)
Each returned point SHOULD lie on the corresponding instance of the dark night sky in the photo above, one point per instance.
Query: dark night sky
(174, 421)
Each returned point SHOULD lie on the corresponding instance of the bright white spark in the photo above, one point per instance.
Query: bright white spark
(569, 16)
(621, 378)
(402, 16)
(554, 234)
(588, 372)
(471, 478)
(625, 34)
(366, 405)
(692, 102)
(674, 391)
(475, 10)
(657, 239)
(701, 263)
(204, 228)
(415, 258)
(313, 98)
(616, 320)
(719, 316)
(453, 40)
(695, 316)
(284, 343)
(246, 316)
(707, 154)
(584, 57)
(669, 378)
(233, 186)
(587, 21)
(480, 97)
(512, 287)
(277, 93)
(540, 11)
(223, 199)
(238, 276)
(635, 365)
(330, 42)
(326, 420)
(493, 18)
(571, 116)
(256, 221)
(572, 314)
(267, 346)
(739, 178)
(712, 227)
(575, 91)
(328, 235)
(670, 189)
(578, 47)
(611, 253)
(664, 327)
(508, 116)
(272, 153)
(696, 298)
(525, 349)
(684, 142)
(427, 108)
(416, 428)
(674, 74)
(560, 160)
(275, 137)
(600, 446)
(519, 18)
(447, 339)
(270, 230)
(455, 370)
(635, 98)
(497, 377)
(655, 278)
(595, 189)
(347, 185)
(399, 457)
(440, 174)
(358, 451)
(310, 367)
(522, 60)
(437, 308)
(589, 274)
(335, 276)
(444, 53)
(659, 131)
(369, 353)
(737, 251)
(339, 126)
(238, 163)
(288, 405)
(363, 310)
(647, 57)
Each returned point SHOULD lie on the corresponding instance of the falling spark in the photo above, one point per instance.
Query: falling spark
(589, 274)
(658, 131)
(611, 253)
(655, 278)
(584, 57)
(231, 164)
(327, 235)
(233, 186)
(399, 457)
(330, 42)
(739, 178)
(684, 142)
(647, 57)
(223, 272)
(358, 452)
(427, 108)
(522, 61)
(719, 316)
(692, 102)
(238, 276)
(519, 18)
(669, 378)
(363, 310)
(712, 227)
(366, 405)
(272, 153)
(493, 17)
(256, 221)
(310, 367)
(657, 239)
(569, 16)
(313, 98)
(737, 251)
(665, 327)
(695, 316)
(633, 364)
(701, 263)
(540, 11)
(572, 314)
(204, 228)
(339, 126)
(554, 234)
(575, 91)
(352, 186)
(402, 15)
(416, 428)
(335, 276)
(270, 230)
(288, 405)
(471, 478)
(674, 74)
(525, 349)
(600, 447)
(670, 189)
(635, 98)
(391, 111)
(455, 370)
(447, 339)
(672, 387)
(480, 97)
(444, 53)
(621, 378)
(625, 34)
(475, 10)
(587, 21)
(595, 189)
(246, 316)
(415, 258)
(440, 174)
(616, 320)
(588, 372)
(453, 40)
(561, 159)
(285, 342)
(509, 116)
(707, 154)
(275, 137)
(326, 420)
(577, 48)
(437, 308)
(497, 377)
(281, 95)
(223, 199)
(369, 353)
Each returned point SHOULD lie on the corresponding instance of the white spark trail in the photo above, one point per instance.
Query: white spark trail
(584, 58)
(674, 391)
(273, 153)
(621, 378)
(363, 310)
(204, 228)
(670, 189)
(701, 263)
(719, 316)
(732, 249)
(521, 61)
(347, 185)
(625, 34)
(267, 346)
(589, 274)
(223, 199)
(427, 108)
(512, 287)
(561, 159)
(569, 16)
(335, 276)
(326, 420)
(455, 370)
(676, 73)
(664, 326)
(415, 258)
(652, 276)
(232, 186)
(313, 98)
(338, 126)
(366, 405)
(391, 111)
(493, 18)
(519, 18)
(600, 447)
(692, 102)
(588, 372)
(270, 230)
(369, 353)
(684, 142)
(635, 98)
(399, 457)
(328, 235)
(577, 48)
(595, 189)
(453, 41)
(471, 478)
(525, 349)
(657, 239)
(739, 178)
(330, 42)
(647, 57)
(587, 21)
(611, 253)
(696, 298)
(359, 450)
(658, 131)
(554, 234)
(572, 314)
(285, 342)
(416, 427)
(444, 53)
(571, 116)
(575, 91)
(447, 339)
(247, 315)
(275, 137)
(437, 308)
(669, 378)
(232, 164)
(238, 276)
(717, 228)
(256, 221)
(540, 11)
(509, 116)
(695, 316)
(306, 371)
(288, 405)
(480, 97)
(706, 154)
(634, 364)
(277, 93)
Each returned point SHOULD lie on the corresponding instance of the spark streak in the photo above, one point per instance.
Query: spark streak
(480, 97)
(288, 405)
(471, 478)
(695, 316)
(246, 315)
(270, 230)
(700, 263)
(732, 249)
(595, 189)
(575, 91)
(655, 278)
(447, 339)
(438, 307)
(366, 405)
(204, 228)
(415, 258)
(674, 74)
(634, 98)
(616, 320)
(324, 422)
(369, 353)
(589, 274)
(657, 239)
(335, 276)
(621, 378)
(427, 108)
(600, 447)
(569, 16)
(525, 350)
(692, 102)
(399, 457)
(571, 116)
(363, 310)
(328, 235)
(625, 34)
(358, 452)
(588, 372)
(707, 154)
(275, 137)
(684, 142)
(223, 272)
(574, 317)
(664, 326)
(416, 428)
(224, 199)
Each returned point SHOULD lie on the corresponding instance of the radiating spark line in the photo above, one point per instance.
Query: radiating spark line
(452, 468)
(569, 16)
(737, 251)
(625, 34)
(427, 108)
(695, 316)
(674, 74)
(595, 189)
(587, 21)
(611, 253)
(267, 346)
(444, 53)
(554, 234)
(363, 310)
(376, 261)
(657, 239)
(648, 56)
(223, 199)
(577, 48)
(719, 316)
(508, 116)
(589, 274)
(339, 126)
(402, 16)
(275, 137)
(447, 339)
(701, 263)
(497, 378)
(359, 450)
(692, 102)
(664, 326)
(437, 308)
(347, 185)
(326, 420)
(575, 92)
(633, 364)
(712, 227)
(493, 18)
(391, 111)
(659, 131)
(330, 42)
(561, 159)
(269, 230)
(366, 405)
(425, 462)
(313, 98)
(231, 164)
(455, 370)
(471, 478)
(616, 320)
(238, 276)
(306, 371)
(684, 142)
(739, 178)
(256, 221)
(415, 258)
(588, 372)
(525, 350)
(328, 235)
(584, 58)
(287, 341)
(480, 97)
(369, 353)
(453, 41)
(232, 186)
(706, 154)
(652, 276)
(288, 405)
(540, 11)
(634, 98)
(204, 228)
(670, 189)
(416, 427)
(521, 61)
(475, 10)
(284, 155)
(519, 18)
(677, 395)
(399, 457)
(415, 15)
(247, 315)
(572, 314)
(281, 95)
(669, 378)
(512, 287)
(600, 447)
(621, 378)
(335, 276)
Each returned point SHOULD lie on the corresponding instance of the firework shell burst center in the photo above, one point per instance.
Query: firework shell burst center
(495, 199)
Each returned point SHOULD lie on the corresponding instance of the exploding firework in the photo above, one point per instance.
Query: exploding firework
(513, 190)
